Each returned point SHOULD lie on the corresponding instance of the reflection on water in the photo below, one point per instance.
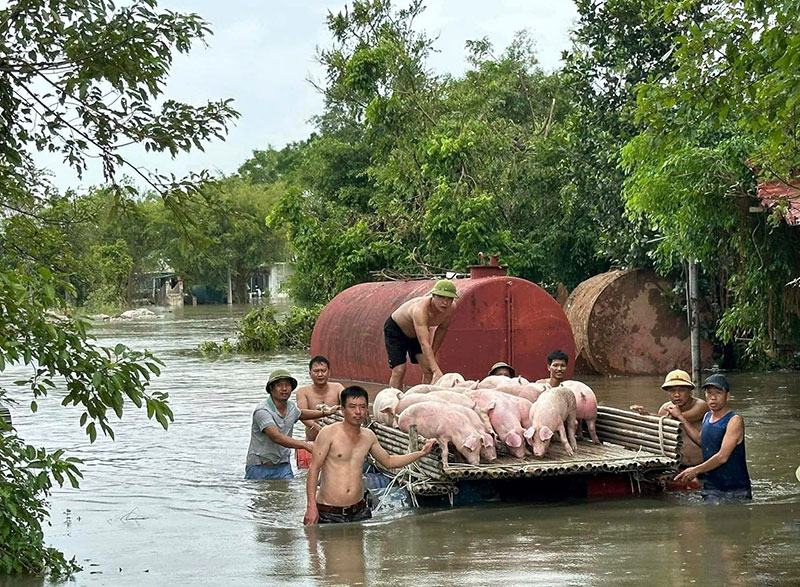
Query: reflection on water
(172, 507)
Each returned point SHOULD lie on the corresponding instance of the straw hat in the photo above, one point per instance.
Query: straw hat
(502, 364)
(677, 378)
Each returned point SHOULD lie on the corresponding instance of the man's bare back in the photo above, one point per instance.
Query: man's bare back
(419, 310)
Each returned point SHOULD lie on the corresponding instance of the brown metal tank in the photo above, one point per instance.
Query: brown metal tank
(498, 318)
(624, 326)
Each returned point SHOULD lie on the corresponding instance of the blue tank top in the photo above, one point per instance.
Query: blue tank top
(731, 475)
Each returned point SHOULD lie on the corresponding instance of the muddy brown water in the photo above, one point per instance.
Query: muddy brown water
(172, 508)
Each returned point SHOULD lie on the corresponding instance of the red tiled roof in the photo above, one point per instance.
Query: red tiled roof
(774, 192)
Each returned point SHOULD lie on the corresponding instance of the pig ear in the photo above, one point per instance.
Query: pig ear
(530, 432)
(491, 406)
(388, 410)
(471, 442)
(486, 439)
(545, 433)
(514, 440)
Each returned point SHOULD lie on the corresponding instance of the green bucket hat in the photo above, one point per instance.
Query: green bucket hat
(281, 374)
(444, 288)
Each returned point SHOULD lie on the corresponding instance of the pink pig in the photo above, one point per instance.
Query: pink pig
(523, 409)
(422, 388)
(504, 416)
(548, 415)
(437, 420)
(385, 400)
(449, 380)
(586, 403)
(529, 392)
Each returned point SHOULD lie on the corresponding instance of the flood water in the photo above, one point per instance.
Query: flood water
(172, 507)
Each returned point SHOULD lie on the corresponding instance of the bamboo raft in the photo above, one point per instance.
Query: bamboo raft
(632, 443)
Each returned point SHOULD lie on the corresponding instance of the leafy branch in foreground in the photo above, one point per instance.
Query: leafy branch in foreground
(97, 379)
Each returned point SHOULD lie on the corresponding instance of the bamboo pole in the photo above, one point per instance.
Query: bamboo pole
(603, 410)
(616, 419)
(669, 439)
(638, 444)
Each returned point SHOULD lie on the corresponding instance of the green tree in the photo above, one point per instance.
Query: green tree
(228, 233)
(729, 106)
(80, 78)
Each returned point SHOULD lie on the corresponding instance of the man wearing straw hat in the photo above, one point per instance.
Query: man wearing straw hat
(408, 332)
(678, 384)
(271, 432)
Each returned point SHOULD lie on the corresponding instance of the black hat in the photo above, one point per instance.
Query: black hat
(717, 380)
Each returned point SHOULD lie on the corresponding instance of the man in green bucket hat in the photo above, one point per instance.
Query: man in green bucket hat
(407, 331)
(271, 432)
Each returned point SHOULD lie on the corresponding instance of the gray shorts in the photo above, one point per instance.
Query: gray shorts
(712, 495)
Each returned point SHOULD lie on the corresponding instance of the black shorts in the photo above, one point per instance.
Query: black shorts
(398, 344)
(337, 515)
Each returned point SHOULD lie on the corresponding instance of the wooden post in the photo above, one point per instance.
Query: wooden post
(413, 438)
(230, 287)
(694, 323)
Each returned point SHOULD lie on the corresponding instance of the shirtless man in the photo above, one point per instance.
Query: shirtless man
(339, 452)
(679, 386)
(557, 362)
(321, 391)
(408, 331)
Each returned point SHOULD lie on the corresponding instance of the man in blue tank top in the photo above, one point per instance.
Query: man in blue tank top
(724, 467)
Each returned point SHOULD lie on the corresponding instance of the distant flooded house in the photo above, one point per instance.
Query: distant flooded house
(162, 288)
(268, 280)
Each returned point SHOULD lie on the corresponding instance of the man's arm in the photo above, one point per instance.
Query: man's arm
(692, 432)
(733, 436)
(397, 461)
(441, 330)
(315, 414)
(279, 437)
(303, 404)
(423, 332)
(321, 448)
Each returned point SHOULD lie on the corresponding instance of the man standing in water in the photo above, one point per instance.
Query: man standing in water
(339, 452)
(271, 431)
(557, 362)
(321, 391)
(407, 331)
(724, 469)
(679, 386)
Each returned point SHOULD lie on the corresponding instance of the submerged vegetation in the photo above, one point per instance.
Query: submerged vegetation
(261, 331)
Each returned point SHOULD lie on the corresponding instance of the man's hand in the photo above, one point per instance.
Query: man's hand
(639, 410)
(328, 411)
(437, 374)
(428, 446)
(309, 445)
(674, 411)
(312, 515)
(687, 475)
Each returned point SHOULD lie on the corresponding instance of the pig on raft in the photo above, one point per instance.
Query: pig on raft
(478, 417)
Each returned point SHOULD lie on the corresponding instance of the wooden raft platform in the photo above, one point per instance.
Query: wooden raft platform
(632, 443)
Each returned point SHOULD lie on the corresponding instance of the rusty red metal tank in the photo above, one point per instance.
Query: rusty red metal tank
(623, 325)
(498, 318)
